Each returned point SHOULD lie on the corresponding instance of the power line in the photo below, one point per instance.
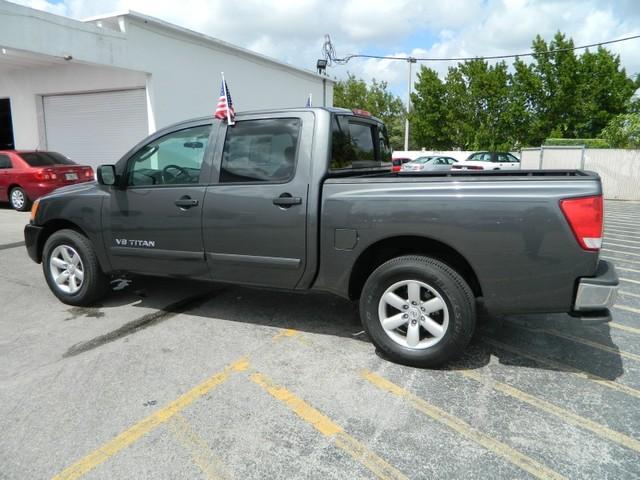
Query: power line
(329, 53)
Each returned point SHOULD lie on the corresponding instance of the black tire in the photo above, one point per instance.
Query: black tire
(453, 289)
(95, 283)
(15, 194)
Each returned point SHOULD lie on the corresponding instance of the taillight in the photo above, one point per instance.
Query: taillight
(585, 217)
(44, 175)
(88, 172)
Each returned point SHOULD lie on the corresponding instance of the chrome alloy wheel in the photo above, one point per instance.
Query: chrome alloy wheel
(413, 314)
(66, 269)
(17, 198)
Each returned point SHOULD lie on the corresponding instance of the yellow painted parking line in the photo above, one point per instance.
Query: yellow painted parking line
(620, 326)
(618, 216)
(503, 450)
(604, 249)
(616, 259)
(629, 294)
(627, 308)
(565, 415)
(626, 269)
(622, 218)
(287, 332)
(621, 223)
(584, 341)
(212, 467)
(616, 237)
(133, 434)
(621, 232)
(563, 367)
(323, 424)
(629, 280)
(607, 243)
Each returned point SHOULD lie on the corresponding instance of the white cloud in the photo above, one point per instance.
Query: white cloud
(293, 31)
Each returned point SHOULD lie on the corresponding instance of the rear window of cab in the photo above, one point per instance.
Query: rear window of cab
(357, 143)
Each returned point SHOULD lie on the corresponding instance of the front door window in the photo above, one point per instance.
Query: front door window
(175, 159)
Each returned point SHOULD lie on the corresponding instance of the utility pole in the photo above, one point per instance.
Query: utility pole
(410, 60)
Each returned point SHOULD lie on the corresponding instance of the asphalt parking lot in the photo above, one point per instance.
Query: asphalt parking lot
(173, 379)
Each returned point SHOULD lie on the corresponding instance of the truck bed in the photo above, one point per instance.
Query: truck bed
(506, 225)
(509, 174)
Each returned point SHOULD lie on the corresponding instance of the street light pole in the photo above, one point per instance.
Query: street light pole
(410, 60)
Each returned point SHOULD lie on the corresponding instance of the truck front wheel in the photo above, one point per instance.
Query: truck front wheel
(72, 270)
(418, 311)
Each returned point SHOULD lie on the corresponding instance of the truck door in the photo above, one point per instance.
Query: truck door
(254, 218)
(153, 222)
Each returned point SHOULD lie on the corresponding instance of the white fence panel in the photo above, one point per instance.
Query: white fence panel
(619, 170)
(530, 159)
(562, 158)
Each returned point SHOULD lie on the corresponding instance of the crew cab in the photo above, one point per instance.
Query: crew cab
(302, 199)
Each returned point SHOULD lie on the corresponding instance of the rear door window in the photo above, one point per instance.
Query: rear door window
(481, 157)
(5, 162)
(262, 150)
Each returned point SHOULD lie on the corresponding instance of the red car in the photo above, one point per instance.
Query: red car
(396, 163)
(27, 175)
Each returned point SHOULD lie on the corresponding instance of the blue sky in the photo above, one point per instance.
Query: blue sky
(293, 31)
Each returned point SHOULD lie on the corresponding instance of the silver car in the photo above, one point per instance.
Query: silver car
(430, 163)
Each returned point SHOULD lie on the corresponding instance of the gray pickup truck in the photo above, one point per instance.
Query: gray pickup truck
(304, 199)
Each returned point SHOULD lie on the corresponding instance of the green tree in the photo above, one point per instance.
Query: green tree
(623, 131)
(429, 115)
(375, 98)
(557, 94)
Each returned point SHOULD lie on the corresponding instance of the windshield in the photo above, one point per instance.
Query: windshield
(423, 159)
(45, 159)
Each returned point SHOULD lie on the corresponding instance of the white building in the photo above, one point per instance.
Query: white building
(92, 89)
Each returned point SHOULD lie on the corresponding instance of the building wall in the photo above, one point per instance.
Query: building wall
(185, 76)
(26, 87)
(180, 69)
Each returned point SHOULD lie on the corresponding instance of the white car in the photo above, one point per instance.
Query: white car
(429, 163)
(489, 161)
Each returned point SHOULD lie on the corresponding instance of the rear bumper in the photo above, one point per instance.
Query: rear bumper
(596, 294)
(32, 239)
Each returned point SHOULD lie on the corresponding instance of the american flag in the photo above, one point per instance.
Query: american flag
(224, 108)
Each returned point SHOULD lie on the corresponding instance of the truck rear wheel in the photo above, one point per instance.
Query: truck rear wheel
(418, 311)
(72, 270)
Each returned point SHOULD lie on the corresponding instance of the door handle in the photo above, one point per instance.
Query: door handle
(286, 200)
(186, 202)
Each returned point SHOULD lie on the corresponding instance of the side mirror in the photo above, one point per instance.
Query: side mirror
(106, 175)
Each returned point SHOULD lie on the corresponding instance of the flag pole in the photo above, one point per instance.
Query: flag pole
(226, 99)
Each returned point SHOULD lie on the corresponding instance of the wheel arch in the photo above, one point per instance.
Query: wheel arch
(381, 251)
(53, 226)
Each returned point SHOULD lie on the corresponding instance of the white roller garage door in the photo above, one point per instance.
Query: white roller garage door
(95, 128)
